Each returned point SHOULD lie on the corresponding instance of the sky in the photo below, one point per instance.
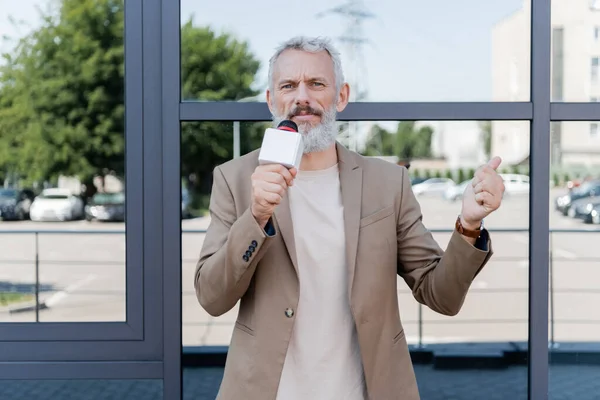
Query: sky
(428, 50)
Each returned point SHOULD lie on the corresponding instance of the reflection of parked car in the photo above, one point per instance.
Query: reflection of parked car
(582, 208)
(186, 201)
(433, 186)
(455, 192)
(56, 204)
(15, 203)
(586, 189)
(106, 207)
(417, 180)
(594, 215)
(515, 184)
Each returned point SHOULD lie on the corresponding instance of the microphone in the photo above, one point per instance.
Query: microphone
(283, 145)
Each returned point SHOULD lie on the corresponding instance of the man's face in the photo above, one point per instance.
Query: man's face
(304, 91)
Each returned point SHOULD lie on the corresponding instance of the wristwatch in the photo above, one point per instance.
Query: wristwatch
(468, 232)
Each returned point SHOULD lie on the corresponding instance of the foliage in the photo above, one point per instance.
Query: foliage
(62, 95)
(408, 142)
(216, 68)
(486, 137)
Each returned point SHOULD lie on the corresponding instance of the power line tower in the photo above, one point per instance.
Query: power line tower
(353, 40)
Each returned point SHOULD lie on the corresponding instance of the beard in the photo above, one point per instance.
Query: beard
(315, 138)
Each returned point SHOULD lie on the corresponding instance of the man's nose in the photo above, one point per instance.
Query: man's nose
(302, 96)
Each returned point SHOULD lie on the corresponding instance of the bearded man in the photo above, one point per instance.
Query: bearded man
(313, 255)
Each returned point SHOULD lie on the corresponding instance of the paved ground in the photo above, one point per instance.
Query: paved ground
(565, 383)
(85, 279)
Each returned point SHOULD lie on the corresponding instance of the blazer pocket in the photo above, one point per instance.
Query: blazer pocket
(244, 328)
(399, 336)
(376, 216)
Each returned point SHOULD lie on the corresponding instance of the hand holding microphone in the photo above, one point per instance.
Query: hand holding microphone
(279, 159)
(269, 183)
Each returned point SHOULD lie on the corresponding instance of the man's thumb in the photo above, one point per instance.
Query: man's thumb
(495, 162)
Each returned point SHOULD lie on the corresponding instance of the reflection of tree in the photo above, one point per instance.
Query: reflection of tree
(408, 142)
(214, 68)
(207, 144)
(485, 130)
(62, 94)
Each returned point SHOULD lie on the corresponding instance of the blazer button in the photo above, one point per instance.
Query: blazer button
(253, 243)
(289, 312)
(248, 253)
(245, 257)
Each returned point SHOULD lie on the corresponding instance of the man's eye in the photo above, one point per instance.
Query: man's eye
(288, 86)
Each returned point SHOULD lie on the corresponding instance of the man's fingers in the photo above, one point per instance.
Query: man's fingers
(267, 198)
(495, 162)
(480, 187)
(483, 198)
(269, 169)
(287, 175)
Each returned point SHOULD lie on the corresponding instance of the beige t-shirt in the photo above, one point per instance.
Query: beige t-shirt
(323, 360)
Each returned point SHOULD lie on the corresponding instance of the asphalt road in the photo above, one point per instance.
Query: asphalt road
(83, 278)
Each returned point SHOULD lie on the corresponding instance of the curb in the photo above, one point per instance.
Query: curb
(25, 307)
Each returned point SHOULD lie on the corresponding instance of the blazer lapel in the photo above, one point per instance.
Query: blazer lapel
(351, 184)
(283, 220)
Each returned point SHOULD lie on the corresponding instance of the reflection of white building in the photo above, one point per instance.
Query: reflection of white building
(458, 142)
(575, 55)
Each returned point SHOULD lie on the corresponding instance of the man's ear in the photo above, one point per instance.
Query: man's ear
(269, 101)
(343, 97)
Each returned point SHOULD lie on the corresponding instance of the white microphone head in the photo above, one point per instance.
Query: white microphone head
(283, 146)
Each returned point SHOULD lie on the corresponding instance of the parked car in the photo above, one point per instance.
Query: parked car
(586, 189)
(433, 186)
(582, 208)
(417, 180)
(515, 184)
(15, 203)
(186, 200)
(56, 204)
(455, 192)
(595, 215)
(106, 207)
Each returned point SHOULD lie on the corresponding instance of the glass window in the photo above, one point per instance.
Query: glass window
(575, 77)
(391, 50)
(574, 320)
(446, 152)
(594, 129)
(62, 151)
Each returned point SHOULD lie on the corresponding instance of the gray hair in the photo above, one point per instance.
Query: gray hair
(312, 45)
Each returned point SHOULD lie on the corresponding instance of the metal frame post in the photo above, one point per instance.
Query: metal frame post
(539, 213)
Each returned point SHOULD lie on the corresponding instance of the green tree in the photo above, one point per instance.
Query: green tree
(413, 142)
(217, 68)
(380, 143)
(485, 130)
(408, 142)
(62, 94)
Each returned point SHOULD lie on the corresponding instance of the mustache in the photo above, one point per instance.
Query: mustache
(306, 109)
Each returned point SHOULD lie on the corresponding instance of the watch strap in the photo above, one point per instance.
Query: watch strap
(472, 233)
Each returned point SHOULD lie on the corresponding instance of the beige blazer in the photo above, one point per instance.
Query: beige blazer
(384, 237)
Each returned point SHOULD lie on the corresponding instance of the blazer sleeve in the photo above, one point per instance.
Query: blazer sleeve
(232, 248)
(438, 279)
